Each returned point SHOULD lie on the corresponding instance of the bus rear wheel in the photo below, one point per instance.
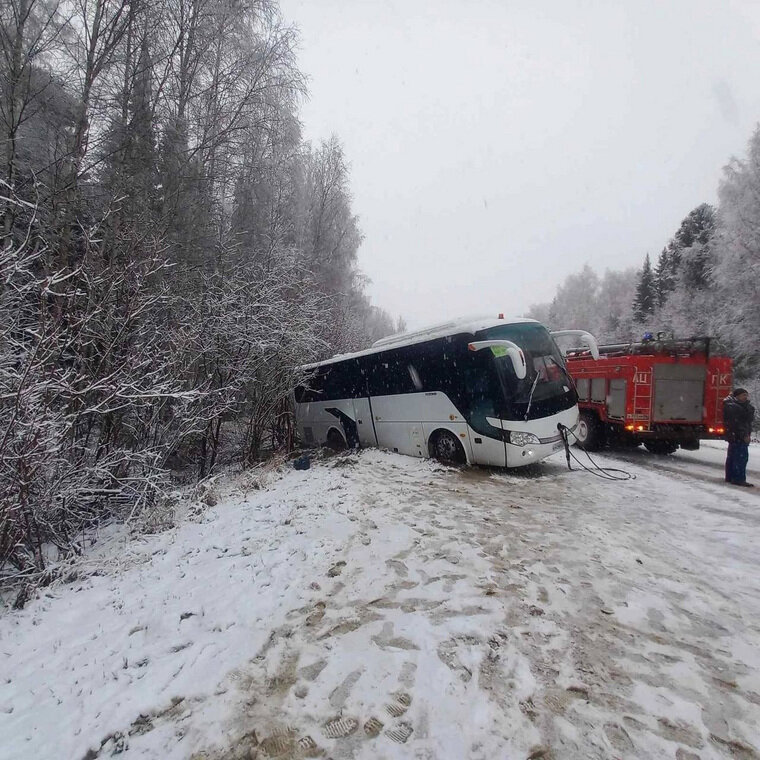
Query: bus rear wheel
(661, 447)
(588, 433)
(446, 448)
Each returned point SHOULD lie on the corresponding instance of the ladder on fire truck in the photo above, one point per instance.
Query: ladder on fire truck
(642, 395)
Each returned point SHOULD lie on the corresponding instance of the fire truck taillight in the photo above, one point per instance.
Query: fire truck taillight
(640, 427)
(630, 427)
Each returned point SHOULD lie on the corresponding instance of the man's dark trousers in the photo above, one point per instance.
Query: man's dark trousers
(736, 462)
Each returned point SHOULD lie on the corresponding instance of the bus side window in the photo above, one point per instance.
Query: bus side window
(331, 383)
(312, 390)
(480, 389)
(378, 379)
(390, 376)
(436, 370)
(343, 380)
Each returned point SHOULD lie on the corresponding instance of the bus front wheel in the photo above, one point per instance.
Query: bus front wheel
(446, 448)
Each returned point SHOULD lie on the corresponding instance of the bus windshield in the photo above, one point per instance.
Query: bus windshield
(546, 388)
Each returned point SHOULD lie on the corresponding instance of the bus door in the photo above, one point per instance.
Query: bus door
(482, 394)
(364, 425)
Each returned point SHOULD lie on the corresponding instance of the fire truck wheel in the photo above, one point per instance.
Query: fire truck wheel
(588, 434)
(661, 447)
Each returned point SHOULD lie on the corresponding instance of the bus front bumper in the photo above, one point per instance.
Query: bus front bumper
(550, 440)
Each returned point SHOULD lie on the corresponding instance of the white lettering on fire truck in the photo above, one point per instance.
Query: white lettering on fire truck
(722, 380)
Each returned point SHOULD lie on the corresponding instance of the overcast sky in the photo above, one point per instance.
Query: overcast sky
(497, 146)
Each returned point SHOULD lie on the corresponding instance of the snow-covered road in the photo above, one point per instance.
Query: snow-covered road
(707, 464)
(384, 607)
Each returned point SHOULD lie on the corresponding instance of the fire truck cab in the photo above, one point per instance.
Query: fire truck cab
(662, 393)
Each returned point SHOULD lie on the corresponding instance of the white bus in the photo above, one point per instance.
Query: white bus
(489, 391)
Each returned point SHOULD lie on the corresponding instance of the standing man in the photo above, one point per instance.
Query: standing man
(738, 415)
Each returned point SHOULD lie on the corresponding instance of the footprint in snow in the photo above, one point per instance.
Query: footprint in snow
(279, 743)
(339, 728)
(316, 615)
(399, 705)
(398, 567)
(285, 743)
(400, 733)
(336, 569)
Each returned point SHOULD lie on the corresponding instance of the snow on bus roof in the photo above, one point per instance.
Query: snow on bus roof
(454, 327)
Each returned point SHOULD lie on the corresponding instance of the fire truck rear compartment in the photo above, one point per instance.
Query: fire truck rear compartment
(679, 391)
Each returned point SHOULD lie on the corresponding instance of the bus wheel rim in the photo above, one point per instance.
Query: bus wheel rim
(446, 447)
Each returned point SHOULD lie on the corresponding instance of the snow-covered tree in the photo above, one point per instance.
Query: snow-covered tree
(666, 272)
(586, 301)
(693, 245)
(706, 282)
(613, 304)
(686, 297)
(575, 302)
(737, 268)
(172, 252)
(645, 300)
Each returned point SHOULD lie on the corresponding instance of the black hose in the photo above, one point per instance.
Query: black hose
(606, 473)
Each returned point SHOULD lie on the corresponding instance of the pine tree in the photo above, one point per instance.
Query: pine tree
(663, 277)
(695, 237)
(686, 259)
(697, 227)
(646, 292)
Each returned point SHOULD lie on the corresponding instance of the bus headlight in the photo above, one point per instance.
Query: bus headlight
(522, 439)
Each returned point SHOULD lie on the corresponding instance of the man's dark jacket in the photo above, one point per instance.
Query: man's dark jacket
(737, 418)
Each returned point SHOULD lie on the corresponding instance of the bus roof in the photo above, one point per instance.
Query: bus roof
(455, 327)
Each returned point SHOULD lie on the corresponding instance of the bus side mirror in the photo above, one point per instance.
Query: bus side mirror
(583, 337)
(504, 348)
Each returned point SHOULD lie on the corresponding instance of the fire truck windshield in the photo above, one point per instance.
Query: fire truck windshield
(546, 388)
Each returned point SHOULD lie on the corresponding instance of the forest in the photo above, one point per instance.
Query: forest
(173, 250)
(705, 281)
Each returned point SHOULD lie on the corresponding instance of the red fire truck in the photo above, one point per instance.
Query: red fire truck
(662, 393)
